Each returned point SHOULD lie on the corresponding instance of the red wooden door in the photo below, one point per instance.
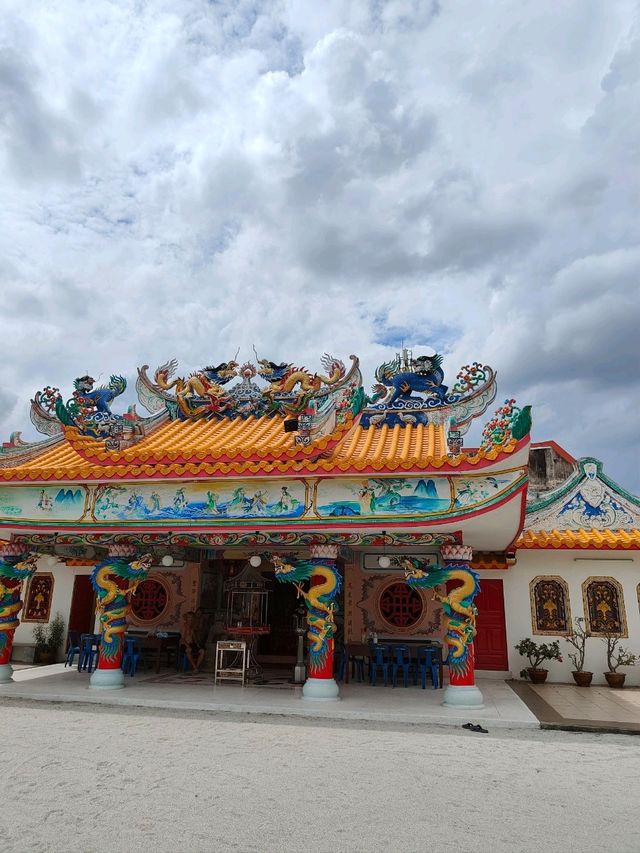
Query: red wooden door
(491, 640)
(82, 613)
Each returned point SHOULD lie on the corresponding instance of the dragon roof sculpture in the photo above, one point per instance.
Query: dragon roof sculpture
(411, 391)
(408, 392)
(208, 393)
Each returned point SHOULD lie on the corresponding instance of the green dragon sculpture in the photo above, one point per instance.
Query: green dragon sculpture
(319, 600)
(11, 579)
(459, 610)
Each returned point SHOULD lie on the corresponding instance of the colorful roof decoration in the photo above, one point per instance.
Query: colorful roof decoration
(587, 511)
(265, 418)
(411, 391)
(581, 539)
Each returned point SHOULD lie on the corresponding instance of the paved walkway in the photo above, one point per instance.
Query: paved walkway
(567, 706)
(361, 702)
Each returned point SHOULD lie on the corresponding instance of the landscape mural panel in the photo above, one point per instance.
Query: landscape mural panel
(218, 500)
(43, 503)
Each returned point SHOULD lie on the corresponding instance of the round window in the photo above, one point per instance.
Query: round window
(400, 605)
(150, 600)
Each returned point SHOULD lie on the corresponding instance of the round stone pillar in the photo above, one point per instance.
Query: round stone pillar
(462, 690)
(320, 683)
(13, 573)
(112, 607)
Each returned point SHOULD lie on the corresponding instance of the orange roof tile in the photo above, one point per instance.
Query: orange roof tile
(247, 447)
(485, 560)
(207, 441)
(597, 539)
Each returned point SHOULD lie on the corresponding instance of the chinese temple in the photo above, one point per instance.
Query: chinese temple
(367, 506)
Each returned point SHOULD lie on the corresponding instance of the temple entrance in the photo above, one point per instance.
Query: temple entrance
(82, 612)
(279, 647)
(491, 640)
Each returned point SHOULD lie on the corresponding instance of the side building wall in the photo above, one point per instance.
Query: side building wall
(574, 567)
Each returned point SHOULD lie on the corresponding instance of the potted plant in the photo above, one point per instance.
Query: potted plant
(49, 639)
(616, 657)
(536, 654)
(578, 639)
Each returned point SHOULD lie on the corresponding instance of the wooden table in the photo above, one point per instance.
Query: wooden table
(160, 645)
(364, 650)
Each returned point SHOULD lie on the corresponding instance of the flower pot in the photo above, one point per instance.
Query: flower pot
(45, 657)
(537, 676)
(615, 679)
(582, 678)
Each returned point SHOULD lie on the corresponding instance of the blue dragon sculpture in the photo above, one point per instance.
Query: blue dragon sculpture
(89, 409)
(459, 610)
(426, 377)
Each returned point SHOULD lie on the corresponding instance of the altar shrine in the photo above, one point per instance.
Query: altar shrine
(365, 505)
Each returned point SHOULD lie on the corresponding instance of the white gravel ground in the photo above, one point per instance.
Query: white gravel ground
(78, 778)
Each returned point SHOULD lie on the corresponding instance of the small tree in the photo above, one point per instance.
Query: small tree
(50, 639)
(616, 655)
(536, 653)
(578, 638)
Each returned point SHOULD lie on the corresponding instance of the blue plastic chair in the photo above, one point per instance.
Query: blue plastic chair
(357, 667)
(73, 647)
(429, 659)
(131, 656)
(401, 660)
(182, 662)
(379, 661)
(89, 652)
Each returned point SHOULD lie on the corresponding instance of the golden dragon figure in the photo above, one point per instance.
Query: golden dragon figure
(11, 579)
(283, 378)
(115, 581)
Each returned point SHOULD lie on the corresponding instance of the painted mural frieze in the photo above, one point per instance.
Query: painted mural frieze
(43, 503)
(222, 500)
(407, 497)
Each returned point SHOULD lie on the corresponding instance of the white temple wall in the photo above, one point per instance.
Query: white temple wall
(63, 578)
(574, 567)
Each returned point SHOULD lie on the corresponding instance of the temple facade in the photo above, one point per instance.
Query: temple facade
(366, 507)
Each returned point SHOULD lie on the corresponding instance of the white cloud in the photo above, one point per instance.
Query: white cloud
(181, 180)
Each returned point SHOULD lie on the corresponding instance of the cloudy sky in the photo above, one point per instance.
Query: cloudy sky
(180, 178)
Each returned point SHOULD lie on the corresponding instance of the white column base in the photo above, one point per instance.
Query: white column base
(106, 679)
(459, 696)
(6, 673)
(321, 688)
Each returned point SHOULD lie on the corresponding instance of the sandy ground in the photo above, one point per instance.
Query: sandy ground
(79, 778)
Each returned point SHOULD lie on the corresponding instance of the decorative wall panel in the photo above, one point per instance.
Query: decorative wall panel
(550, 608)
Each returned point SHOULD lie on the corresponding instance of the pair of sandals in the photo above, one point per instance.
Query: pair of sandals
(475, 728)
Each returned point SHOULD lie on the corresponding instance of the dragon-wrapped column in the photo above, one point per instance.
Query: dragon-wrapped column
(460, 616)
(13, 573)
(325, 585)
(320, 600)
(114, 581)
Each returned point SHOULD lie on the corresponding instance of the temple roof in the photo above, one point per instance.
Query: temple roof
(251, 447)
(219, 421)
